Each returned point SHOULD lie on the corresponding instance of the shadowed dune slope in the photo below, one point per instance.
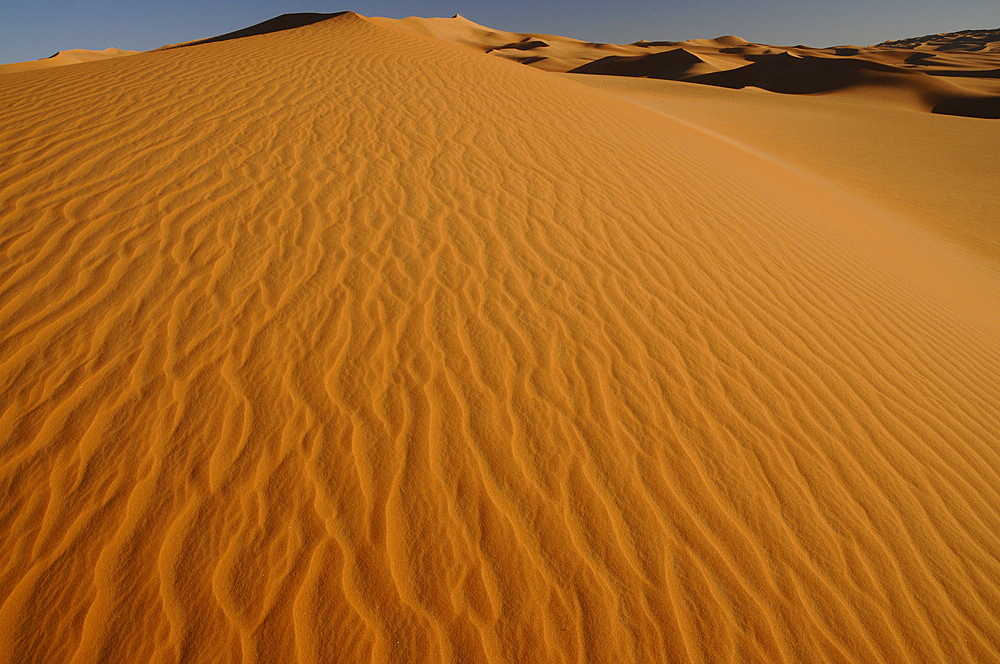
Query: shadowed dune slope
(377, 349)
(673, 64)
(987, 107)
(794, 74)
(276, 24)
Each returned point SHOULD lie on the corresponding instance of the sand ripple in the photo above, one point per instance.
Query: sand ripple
(343, 344)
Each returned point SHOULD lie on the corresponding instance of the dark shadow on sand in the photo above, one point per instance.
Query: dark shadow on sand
(276, 24)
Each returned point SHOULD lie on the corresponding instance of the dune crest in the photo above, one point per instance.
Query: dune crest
(376, 347)
(276, 24)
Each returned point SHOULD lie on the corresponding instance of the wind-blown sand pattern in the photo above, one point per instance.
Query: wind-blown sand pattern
(343, 343)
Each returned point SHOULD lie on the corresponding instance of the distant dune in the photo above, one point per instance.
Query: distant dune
(69, 57)
(675, 64)
(972, 86)
(340, 339)
(966, 40)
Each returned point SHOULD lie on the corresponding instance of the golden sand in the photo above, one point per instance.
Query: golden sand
(71, 56)
(344, 343)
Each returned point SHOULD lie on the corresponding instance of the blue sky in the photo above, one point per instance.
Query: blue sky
(30, 29)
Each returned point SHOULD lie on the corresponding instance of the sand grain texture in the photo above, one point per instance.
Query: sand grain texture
(370, 347)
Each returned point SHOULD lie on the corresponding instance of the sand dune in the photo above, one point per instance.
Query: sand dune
(790, 73)
(958, 78)
(546, 52)
(69, 57)
(674, 64)
(843, 139)
(967, 40)
(276, 24)
(380, 348)
(726, 41)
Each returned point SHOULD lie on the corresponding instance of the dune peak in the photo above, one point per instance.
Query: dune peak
(280, 23)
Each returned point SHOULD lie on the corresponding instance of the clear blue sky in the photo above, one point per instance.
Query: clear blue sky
(31, 29)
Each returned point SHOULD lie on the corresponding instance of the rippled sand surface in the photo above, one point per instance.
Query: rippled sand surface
(344, 344)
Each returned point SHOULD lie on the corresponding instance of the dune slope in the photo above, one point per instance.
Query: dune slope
(933, 169)
(374, 348)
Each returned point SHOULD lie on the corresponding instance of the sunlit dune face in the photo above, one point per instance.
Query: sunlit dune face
(346, 342)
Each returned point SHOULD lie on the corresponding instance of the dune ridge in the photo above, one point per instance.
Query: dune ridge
(376, 348)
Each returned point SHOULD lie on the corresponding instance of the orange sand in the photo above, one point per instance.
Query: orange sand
(69, 57)
(345, 343)
(953, 74)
